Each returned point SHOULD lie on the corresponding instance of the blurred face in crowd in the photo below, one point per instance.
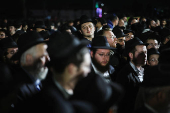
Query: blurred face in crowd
(152, 24)
(139, 57)
(12, 30)
(25, 27)
(152, 44)
(153, 60)
(87, 29)
(163, 22)
(121, 23)
(36, 60)
(134, 21)
(129, 37)
(101, 59)
(111, 38)
(121, 42)
(79, 72)
(2, 35)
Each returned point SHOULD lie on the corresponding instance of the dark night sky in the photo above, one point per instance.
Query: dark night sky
(16, 7)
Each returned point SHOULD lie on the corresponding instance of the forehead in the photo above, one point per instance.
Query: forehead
(103, 50)
(140, 47)
(152, 41)
(121, 38)
(86, 24)
(10, 49)
(108, 32)
(154, 56)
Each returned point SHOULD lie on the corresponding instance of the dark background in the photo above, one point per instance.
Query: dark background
(21, 8)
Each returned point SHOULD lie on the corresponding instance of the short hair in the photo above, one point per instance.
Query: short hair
(113, 17)
(76, 59)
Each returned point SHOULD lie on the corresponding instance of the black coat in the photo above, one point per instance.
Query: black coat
(95, 90)
(51, 100)
(129, 80)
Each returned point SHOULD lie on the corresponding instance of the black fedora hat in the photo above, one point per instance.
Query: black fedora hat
(100, 42)
(155, 77)
(152, 51)
(64, 44)
(84, 19)
(118, 32)
(26, 41)
(8, 43)
(39, 24)
(130, 44)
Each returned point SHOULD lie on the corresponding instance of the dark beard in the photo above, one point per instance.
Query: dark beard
(100, 67)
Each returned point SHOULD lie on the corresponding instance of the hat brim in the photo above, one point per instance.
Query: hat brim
(102, 47)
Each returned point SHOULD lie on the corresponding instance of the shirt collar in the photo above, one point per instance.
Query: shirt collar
(66, 93)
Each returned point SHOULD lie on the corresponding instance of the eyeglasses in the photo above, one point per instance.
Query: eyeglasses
(102, 54)
(153, 60)
(151, 44)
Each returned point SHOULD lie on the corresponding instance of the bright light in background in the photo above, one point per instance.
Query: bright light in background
(99, 12)
(102, 4)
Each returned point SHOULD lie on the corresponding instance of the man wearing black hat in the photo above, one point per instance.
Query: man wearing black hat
(39, 26)
(152, 57)
(32, 56)
(131, 75)
(98, 88)
(87, 28)
(155, 91)
(9, 48)
(129, 33)
(70, 62)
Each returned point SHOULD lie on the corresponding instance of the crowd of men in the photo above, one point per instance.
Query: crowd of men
(88, 65)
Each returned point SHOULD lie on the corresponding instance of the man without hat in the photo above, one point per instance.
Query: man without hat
(131, 75)
(70, 62)
(32, 56)
(112, 21)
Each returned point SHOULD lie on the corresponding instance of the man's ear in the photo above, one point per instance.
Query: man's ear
(147, 62)
(91, 54)
(131, 55)
(29, 59)
(80, 31)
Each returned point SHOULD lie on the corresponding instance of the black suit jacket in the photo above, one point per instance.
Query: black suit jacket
(95, 90)
(129, 80)
(51, 100)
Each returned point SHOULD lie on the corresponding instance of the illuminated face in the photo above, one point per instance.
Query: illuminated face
(102, 56)
(87, 29)
(152, 44)
(140, 56)
(153, 60)
(129, 37)
(111, 38)
(153, 23)
(39, 61)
